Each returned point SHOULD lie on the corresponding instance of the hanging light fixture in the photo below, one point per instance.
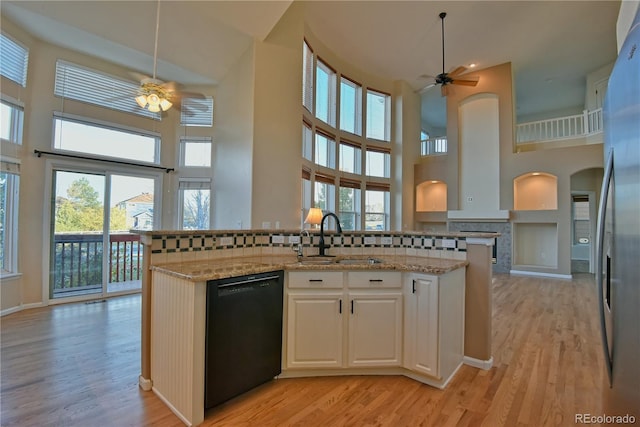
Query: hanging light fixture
(152, 93)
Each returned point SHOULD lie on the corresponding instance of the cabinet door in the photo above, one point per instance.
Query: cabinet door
(423, 332)
(314, 330)
(375, 329)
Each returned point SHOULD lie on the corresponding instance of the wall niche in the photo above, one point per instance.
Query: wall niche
(535, 191)
(431, 196)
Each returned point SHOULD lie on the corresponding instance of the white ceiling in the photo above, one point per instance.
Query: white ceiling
(552, 45)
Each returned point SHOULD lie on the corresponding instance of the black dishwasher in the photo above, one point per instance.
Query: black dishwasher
(243, 343)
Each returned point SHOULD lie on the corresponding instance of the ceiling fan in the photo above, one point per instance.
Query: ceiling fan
(451, 78)
(157, 95)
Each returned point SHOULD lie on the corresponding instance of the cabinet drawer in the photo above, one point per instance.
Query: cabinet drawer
(316, 279)
(374, 279)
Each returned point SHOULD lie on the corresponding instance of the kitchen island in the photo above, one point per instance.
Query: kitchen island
(403, 314)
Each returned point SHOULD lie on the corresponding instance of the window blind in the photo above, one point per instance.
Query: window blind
(94, 87)
(15, 59)
(197, 112)
(194, 184)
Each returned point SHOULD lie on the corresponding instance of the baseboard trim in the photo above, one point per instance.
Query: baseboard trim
(171, 407)
(540, 274)
(477, 363)
(144, 383)
(18, 308)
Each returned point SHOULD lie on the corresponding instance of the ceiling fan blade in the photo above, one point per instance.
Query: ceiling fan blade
(426, 88)
(465, 82)
(457, 71)
(138, 76)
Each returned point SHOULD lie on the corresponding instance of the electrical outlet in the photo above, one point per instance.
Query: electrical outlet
(277, 239)
(294, 240)
(226, 241)
(369, 240)
(448, 243)
(386, 240)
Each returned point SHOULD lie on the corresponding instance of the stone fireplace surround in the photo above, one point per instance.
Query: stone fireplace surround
(503, 244)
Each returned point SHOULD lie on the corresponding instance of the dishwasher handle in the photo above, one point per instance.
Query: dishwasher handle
(249, 281)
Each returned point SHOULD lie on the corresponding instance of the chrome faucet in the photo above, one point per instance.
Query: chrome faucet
(299, 247)
(321, 244)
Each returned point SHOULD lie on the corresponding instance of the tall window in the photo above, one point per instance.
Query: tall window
(350, 158)
(378, 115)
(378, 163)
(325, 152)
(349, 204)
(11, 121)
(105, 140)
(9, 184)
(350, 106)
(307, 77)
(376, 209)
(195, 203)
(195, 152)
(346, 162)
(307, 142)
(325, 93)
(15, 59)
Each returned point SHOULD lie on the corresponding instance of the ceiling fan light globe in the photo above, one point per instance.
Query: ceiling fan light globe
(153, 99)
(141, 100)
(165, 104)
(154, 108)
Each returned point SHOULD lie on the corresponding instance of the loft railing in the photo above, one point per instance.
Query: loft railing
(578, 125)
(433, 146)
(77, 260)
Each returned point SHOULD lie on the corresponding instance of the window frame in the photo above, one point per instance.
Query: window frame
(184, 141)
(357, 107)
(386, 115)
(16, 119)
(186, 184)
(330, 94)
(109, 126)
(11, 199)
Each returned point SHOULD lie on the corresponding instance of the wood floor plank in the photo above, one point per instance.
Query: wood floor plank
(77, 365)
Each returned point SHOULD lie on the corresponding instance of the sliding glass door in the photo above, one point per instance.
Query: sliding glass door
(92, 248)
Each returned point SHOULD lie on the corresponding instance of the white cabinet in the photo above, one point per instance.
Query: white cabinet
(375, 329)
(314, 330)
(434, 323)
(326, 326)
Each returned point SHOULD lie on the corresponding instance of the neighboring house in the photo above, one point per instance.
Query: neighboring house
(138, 211)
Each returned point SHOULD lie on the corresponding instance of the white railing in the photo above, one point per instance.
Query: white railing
(585, 124)
(433, 146)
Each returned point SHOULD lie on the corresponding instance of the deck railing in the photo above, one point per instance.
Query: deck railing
(77, 260)
(578, 125)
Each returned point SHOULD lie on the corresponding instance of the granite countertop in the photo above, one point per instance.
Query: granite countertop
(201, 271)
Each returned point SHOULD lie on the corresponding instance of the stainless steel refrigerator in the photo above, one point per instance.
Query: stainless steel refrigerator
(618, 245)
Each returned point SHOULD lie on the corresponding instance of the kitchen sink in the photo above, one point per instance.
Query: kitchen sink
(344, 261)
(368, 260)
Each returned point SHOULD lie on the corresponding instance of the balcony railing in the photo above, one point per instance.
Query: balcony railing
(433, 146)
(579, 125)
(77, 261)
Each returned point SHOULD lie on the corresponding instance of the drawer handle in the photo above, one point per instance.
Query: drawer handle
(315, 280)
(376, 280)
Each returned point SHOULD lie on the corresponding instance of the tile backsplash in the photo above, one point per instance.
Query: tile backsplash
(193, 246)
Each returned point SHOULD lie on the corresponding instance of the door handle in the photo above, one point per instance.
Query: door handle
(351, 306)
(340, 306)
(602, 208)
(413, 286)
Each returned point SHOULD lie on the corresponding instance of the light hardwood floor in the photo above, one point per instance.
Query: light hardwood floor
(77, 365)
